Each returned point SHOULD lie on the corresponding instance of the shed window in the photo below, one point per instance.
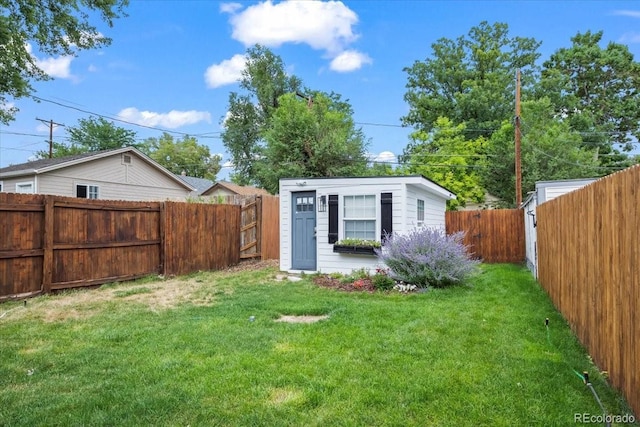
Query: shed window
(87, 191)
(360, 217)
(420, 212)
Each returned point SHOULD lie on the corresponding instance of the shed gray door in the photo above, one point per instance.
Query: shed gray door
(303, 239)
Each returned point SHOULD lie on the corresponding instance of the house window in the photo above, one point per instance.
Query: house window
(420, 215)
(25, 187)
(360, 217)
(0, 186)
(126, 159)
(87, 191)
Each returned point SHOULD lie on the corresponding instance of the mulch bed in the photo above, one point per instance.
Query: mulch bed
(360, 285)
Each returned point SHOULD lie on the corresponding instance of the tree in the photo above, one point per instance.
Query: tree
(316, 139)
(184, 155)
(598, 91)
(92, 134)
(470, 80)
(57, 27)
(271, 133)
(265, 80)
(550, 150)
(447, 158)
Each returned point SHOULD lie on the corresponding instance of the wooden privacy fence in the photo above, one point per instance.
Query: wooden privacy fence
(51, 242)
(492, 235)
(589, 264)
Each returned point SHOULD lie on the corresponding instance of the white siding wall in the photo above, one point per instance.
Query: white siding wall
(530, 233)
(115, 180)
(404, 217)
(285, 229)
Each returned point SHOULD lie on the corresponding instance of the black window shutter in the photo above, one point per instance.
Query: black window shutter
(333, 218)
(386, 214)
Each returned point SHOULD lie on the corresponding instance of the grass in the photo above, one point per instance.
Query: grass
(183, 352)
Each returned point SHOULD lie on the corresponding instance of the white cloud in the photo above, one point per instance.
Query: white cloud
(7, 106)
(629, 13)
(349, 60)
(322, 25)
(59, 67)
(385, 157)
(92, 68)
(230, 7)
(630, 38)
(171, 120)
(227, 72)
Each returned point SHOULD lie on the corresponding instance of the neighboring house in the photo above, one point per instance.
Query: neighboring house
(544, 192)
(315, 213)
(490, 202)
(200, 184)
(225, 188)
(120, 174)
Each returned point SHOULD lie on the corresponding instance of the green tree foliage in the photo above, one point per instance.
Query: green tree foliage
(265, 80)
(56, 27)
(598, 90)
(550, 150)
(470, 80)
(447, 158)
(92, 134)
(270, 132)
(184, 155)
(317, 139)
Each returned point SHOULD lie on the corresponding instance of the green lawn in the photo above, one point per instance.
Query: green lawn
(184, 352)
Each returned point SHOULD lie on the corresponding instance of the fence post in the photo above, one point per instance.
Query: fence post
(259, 227)
(47, 244)
(162, 229)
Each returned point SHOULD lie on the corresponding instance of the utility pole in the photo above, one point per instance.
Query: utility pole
(50, 123)
(307, 97)
(518, 150)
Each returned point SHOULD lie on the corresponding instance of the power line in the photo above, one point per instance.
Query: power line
(120, 120)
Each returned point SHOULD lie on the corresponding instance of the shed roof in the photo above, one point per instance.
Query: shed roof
(418, 180)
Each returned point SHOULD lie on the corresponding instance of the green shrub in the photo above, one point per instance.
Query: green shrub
(382, 281)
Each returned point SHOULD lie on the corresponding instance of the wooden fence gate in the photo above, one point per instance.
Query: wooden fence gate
(493, 235)
(260, 228)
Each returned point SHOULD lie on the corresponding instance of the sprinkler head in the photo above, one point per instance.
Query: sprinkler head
(585, 375)
(546, 321)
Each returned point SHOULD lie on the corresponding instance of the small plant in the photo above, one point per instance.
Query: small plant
(360, 283)
(382, 281)
(359, 242)
(427, 257)
(402, 287)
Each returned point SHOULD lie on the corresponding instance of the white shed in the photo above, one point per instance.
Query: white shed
(544, 192)
(315, 213)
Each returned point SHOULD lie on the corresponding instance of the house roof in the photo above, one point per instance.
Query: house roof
(200, 184)
(242, 190)
(40, 166)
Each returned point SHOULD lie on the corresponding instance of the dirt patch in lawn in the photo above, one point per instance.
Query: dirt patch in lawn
(301, 319)
(161, 295)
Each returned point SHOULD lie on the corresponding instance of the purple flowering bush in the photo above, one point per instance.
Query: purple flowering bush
(427, 257)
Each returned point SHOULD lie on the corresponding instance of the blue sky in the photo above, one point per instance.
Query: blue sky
(172, 64)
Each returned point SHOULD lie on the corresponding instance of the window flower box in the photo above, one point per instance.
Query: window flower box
(352, 246)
